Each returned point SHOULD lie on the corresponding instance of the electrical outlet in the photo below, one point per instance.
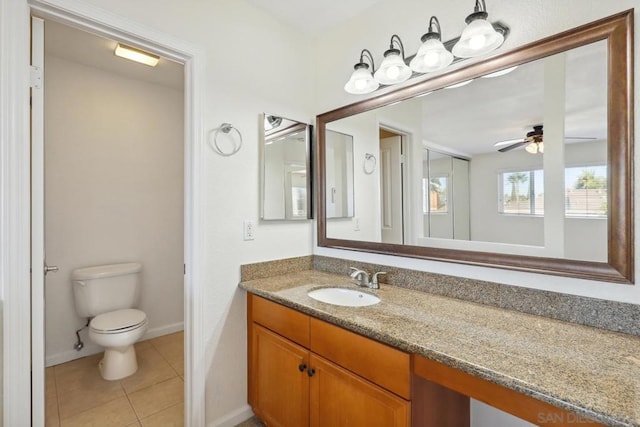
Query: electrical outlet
(356, 224)
(249, 229)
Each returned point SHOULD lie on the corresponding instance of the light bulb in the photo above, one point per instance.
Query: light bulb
(477, 41)
(393, 72)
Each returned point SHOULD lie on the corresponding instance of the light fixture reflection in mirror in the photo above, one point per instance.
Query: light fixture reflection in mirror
(583, 157)
(285, 177)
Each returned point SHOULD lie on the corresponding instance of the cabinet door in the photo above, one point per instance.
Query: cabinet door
(280, 385)
(340, 399)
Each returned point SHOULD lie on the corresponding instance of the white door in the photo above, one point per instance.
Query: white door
(37, 222)
(391, 189)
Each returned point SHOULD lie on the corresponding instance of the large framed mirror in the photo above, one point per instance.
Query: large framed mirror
(522, 161)
(285, 163)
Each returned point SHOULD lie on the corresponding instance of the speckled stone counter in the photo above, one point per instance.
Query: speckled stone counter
(592, 372)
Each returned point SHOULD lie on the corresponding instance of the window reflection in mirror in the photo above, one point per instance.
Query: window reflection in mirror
(514, 163)
(285, 169)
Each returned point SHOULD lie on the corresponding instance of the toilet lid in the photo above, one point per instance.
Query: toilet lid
(119, 319)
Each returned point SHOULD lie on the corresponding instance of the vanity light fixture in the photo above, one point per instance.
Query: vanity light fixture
(479, 37)
(361, 80)
(432, 55)
(136, 55)
(393, 69)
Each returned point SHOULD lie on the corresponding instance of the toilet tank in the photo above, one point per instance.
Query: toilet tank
(103, 288)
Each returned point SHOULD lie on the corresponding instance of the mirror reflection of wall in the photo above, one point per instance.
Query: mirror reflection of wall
(445, 189)
(526, 170)
(285, 169)
(339, 175)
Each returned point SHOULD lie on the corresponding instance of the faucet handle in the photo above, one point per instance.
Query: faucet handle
(374, 281)
(360, 277)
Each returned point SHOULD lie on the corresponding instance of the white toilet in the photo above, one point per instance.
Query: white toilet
(108, 295)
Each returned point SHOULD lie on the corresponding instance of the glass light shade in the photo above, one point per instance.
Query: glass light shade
(478, 38)
(393, 70)
(455, 85)
(361, 81)
(535, 147)
(432, 56)
(499, 73)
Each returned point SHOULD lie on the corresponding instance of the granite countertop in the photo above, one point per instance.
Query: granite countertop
(590, 371)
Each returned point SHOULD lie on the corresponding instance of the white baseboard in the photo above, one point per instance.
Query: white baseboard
(91, 348)
(234, 418)
(163, 330)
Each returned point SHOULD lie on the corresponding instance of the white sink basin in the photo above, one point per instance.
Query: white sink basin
(345, 297)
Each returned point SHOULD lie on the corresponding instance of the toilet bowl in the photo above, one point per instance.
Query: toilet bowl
(117, 331)
(108, 295)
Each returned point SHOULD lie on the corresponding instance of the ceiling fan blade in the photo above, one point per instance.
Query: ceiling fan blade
(513, 146)
(508, 141)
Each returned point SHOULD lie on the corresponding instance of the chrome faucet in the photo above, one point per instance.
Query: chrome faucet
(361, 278)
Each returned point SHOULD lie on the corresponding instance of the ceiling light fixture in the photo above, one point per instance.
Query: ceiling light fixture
(432, 55)
(361, 80)
(479, 37)
(136, 55)
(535, 147)
(393, 69)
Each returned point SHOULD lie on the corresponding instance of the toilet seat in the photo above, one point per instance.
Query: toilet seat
(118, 322)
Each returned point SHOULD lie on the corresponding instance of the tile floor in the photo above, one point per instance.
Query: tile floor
(76, 395)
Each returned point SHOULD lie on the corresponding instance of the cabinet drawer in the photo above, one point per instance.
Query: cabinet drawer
(280, 319)
(377, 362)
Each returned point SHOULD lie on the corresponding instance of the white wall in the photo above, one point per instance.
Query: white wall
(114, 193)
(253, 64)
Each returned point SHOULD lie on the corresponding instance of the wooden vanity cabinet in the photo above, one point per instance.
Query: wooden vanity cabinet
(306, 372)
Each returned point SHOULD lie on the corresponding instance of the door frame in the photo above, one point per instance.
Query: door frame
(15, 190)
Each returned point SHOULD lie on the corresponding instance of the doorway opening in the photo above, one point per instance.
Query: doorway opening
(114, 174)
(392, 159)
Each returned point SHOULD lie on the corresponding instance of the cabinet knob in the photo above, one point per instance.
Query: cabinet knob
(310, 372)
(302, 367)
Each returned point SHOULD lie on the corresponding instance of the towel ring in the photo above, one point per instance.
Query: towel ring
(226, 128)
(369, 164)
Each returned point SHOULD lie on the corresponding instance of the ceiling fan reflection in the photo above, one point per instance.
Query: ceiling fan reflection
(533, 141)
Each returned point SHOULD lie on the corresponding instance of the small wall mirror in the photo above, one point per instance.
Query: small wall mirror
(339, 175)
(285, 163)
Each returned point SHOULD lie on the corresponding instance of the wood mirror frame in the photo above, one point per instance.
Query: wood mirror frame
(617, 30)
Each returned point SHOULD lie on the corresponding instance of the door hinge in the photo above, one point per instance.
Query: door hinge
(402, 158)
(184, 268)
(35, 76)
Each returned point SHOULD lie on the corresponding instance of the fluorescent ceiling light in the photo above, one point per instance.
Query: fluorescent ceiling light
(137, 55)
